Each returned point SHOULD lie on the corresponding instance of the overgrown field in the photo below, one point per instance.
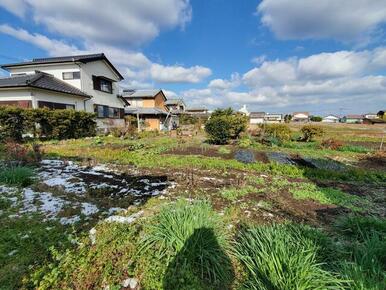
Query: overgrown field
(174, 212)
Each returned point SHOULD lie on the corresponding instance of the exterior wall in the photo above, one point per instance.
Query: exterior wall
(56, 70)
(256, 120)
(105, 124)
(159, 101)
(15, 95)
(148, 103)
(153, 123)
(38, 95)
(99, 68)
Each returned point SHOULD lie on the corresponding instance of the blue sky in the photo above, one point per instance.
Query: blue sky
(272, 55)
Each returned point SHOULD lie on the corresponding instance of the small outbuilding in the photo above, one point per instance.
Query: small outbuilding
(330, 119)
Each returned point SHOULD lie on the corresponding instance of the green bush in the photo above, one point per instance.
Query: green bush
(224, 125)
(16, 175)
(45, 123)
(310, 132)
(245, 142)
(191, 240)
(284, 257)
(316, 119)
(280, 132)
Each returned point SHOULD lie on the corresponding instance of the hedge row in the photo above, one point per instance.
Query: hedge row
(45, 124)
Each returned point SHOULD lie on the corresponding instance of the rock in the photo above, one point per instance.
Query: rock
(92, 235)
(132, 283)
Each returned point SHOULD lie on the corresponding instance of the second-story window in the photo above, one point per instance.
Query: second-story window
(102, 84)
(72, 75)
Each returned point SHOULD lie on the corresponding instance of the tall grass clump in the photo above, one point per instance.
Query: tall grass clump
(284, 257)
(16, 175)
(191, 240)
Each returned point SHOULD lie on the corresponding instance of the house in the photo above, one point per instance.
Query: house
(196, 111)
(301, 117)
(149, 106)
(176, 106)
(256, 118)
(273, 118)
(330, 119)
(82, 82)
(352, 119)
(370, 116)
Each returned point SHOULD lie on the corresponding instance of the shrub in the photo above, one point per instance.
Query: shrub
(280, 132)
(284, 257)
(191, 240)
(245, 142)
(16, 175)
(51, 124)
(224, 125)
(332, 144)
(310, 132)
(316, 119)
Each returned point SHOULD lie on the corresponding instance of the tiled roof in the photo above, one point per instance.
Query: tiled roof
(85, 58)
(257, 114)
(174, 102)
(41, 80)
(145, 111)
(140, 93)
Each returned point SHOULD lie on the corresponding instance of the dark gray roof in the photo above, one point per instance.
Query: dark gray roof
(174, 102)
(145, 111)
(72, 58)
(257, 114)
(41, 80)
(140, 93)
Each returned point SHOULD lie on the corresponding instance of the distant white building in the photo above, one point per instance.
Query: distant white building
(301, 117)
(371, 116)
(273, 118)
(256, 118)
(244, 110)
(330, 119)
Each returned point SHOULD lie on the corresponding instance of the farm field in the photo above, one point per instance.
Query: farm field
(161, 211)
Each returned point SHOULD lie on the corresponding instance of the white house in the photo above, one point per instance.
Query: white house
(273, 118)
(301, 117)
(330, 119)
(256, 118)
(82, 82)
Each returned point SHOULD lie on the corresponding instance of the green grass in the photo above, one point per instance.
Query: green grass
(327, 195)
(357, 227)
(16, 175)
(233, 193)
(354, 148)
(191, 240)
(224, 150)
(25, 243)
(284, 257)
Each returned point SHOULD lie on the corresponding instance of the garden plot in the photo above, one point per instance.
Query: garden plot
(69, 193)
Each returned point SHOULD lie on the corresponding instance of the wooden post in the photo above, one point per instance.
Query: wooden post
(138, 123)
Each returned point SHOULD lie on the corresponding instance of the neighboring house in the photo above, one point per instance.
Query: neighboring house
(244, 110)
(176, 106)
(273, 118)
(370, 116)
(196, 111)
(330, 119)
(150, 107)
(256, 118)
(301, 117)
(352, 119)
(82, 82)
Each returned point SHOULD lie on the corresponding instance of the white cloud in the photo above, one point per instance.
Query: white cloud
(105, 22)
(179, 74)
(259, 59)
(221, 84)
(135, 66)
(346, 20)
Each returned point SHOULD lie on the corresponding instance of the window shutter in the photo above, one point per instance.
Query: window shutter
(96, 84)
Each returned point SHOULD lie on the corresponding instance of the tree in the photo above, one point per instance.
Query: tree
(224, 124)
(316, 119)
(287, 118)
(310, 132)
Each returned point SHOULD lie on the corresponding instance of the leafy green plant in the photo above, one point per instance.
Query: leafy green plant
(310, 132)
(245, 142)
(224, 150)
(281, 132)
(224, 125)
(232, 193)
(16, 175)
(191, 240)
(284, 257)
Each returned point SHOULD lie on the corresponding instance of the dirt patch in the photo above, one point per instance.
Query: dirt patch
(214, 152)
(374, 161)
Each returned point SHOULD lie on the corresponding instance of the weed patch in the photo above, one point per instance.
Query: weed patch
(16, 175)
